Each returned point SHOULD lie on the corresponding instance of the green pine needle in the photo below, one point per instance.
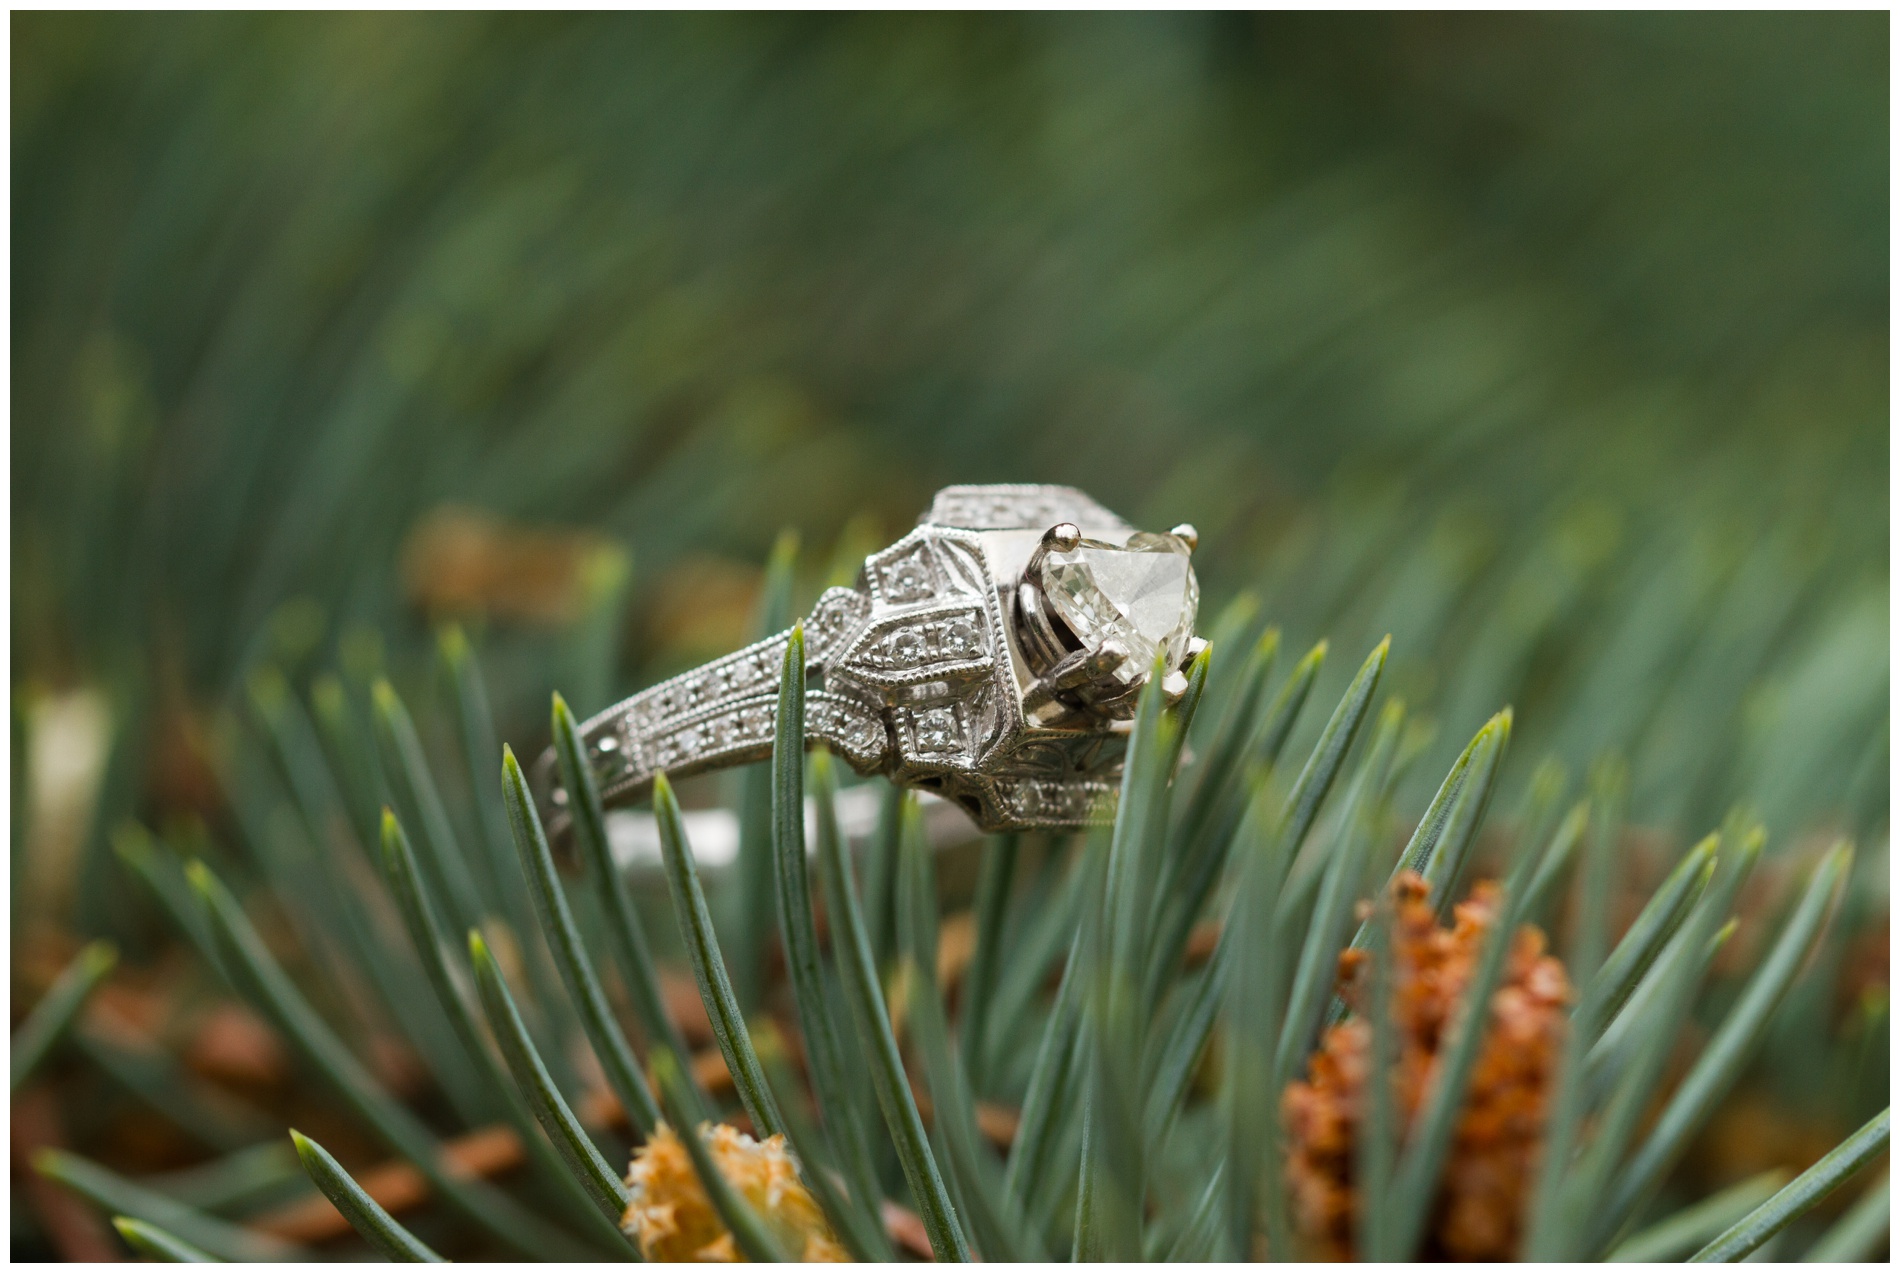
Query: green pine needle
(749, 1233)
(59, 1007)
(878, 1049)
(367, 1216)
(155, 1244)
(550, 1108)
(624, 928)
(570, 953)
(262, 980)
(824, 1049)
(1074, 1005)
(418, 913)
(117, 1195)
(1721, 1060)
(1800, 1195)
(709, 967)
(1676, 1236)
(1855, 1237)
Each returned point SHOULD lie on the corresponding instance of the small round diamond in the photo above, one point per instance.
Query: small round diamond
(937, 730)
(907, 648)
(959, 638)
(908, 579)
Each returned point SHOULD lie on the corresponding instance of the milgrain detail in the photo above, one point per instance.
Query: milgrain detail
(837, 616)
(911, 577)
(954, 641)
(911, 673)
(1068, 801)
(740, 675)
(627, 756)
(723, 714)
(929, 566)
(1010, 507)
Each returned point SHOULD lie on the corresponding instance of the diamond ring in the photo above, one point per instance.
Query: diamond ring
(993, 656)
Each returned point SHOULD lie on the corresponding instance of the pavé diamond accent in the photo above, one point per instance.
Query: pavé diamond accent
(908, 579)
(959, 638)
(937, 730)
(1018, 507)
(913, 670)
(913, 647)
(907, 647)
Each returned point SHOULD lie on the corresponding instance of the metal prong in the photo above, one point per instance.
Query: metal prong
(1186, 533)
(1077, 668)
(1173, 685)
(1105, 660)
(1194, 647)
(1072, 670)
(1042, 693)
(1039, 640)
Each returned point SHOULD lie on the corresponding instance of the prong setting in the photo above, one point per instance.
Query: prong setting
(1068, 675)
(950, 665)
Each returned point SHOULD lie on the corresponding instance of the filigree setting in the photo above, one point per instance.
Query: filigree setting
(941, 643)
(914, 672)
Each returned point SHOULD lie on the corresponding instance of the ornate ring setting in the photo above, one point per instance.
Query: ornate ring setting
(993, 655)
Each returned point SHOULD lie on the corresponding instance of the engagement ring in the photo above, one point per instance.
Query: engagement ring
(993, 655)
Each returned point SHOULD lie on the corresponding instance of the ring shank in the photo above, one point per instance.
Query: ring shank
(721, 714)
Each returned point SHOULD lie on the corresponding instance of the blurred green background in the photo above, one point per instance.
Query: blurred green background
(1555, 346)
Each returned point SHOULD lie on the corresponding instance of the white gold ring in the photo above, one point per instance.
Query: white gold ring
(993, 655)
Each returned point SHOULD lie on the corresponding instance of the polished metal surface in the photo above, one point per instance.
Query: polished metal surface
(942, 667)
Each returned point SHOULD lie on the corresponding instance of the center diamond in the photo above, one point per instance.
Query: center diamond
(1142, 594)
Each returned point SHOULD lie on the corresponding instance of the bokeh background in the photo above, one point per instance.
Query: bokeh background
(1555, 346)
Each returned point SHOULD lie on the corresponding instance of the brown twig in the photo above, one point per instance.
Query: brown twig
(996, 1122)
(904, 1228)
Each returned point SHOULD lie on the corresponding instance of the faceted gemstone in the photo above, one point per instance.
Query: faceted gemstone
(1142, 594)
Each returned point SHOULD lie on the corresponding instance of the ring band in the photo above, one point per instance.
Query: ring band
(946, 667)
